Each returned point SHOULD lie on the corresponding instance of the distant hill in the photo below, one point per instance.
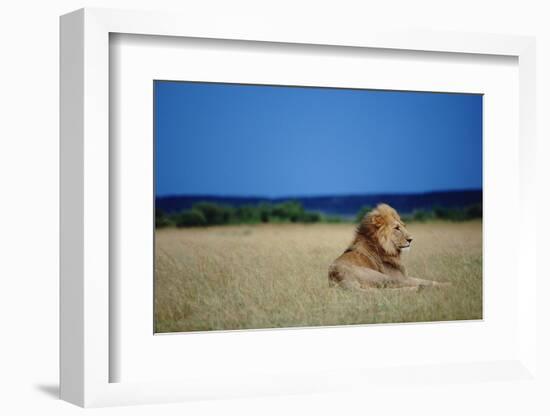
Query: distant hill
(341, 205)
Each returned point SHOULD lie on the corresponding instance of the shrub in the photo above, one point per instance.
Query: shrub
(446, 213)
(332, 219)
(421, 215)
(265, 212)
(310, 217)
(246, 214)
(214, 214)
(474, 211)
(362, 212)
(161, 219)
(290, 210)
(191, 218)
(457, 214)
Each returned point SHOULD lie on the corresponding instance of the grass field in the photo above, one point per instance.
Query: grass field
(272, 276)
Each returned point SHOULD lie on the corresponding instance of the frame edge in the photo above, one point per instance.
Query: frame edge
(71, 201)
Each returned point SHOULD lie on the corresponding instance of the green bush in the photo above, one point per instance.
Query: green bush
(459, 214)
(214, 214)
(332, 219)
(444, 213)
(265, 212)
(310, 217)
(247, 214)
(191, 218)
(474, 211)
(362, 212)
(421, 215)
(161, 219)
(290, 210)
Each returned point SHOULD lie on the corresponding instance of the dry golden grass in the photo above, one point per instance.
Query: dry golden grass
(272, 276)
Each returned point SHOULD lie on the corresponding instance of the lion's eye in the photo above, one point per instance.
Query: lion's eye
(397, 227)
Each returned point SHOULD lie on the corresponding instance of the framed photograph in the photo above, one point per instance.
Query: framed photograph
(267, 196)
(311, 202)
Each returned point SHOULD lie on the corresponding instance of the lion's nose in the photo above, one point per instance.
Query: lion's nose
(409, 239)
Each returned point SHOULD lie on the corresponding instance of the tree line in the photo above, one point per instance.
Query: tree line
(204, 214)
(466, 213)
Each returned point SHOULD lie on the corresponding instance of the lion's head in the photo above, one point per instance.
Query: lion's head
(385, 227)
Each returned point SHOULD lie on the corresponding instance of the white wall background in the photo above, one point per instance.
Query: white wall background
(29, 207)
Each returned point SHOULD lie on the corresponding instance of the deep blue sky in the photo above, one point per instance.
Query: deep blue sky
(246, 140)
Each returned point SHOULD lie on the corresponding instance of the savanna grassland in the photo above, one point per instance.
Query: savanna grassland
(275, 275)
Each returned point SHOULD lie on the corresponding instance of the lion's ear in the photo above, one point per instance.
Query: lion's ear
(377, 220)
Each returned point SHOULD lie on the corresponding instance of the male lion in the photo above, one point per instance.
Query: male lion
(373, 260)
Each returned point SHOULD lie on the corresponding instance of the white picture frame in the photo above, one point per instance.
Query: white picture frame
(85, 353)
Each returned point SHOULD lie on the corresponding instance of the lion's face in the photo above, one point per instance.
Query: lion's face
(400, 237)
(386, 226)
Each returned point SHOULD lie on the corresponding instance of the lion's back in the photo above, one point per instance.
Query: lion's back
(348, 259)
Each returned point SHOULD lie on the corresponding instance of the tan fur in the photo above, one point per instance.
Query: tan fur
(373, 260)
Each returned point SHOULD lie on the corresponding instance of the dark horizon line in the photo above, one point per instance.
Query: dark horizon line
(245, 84)
(317, 196)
